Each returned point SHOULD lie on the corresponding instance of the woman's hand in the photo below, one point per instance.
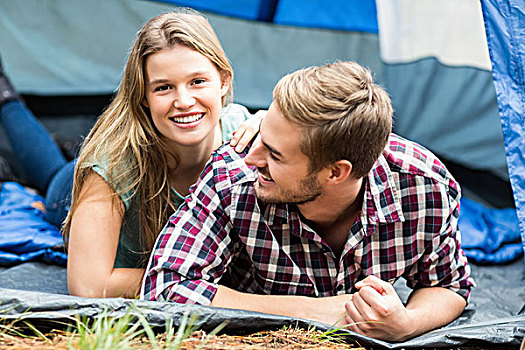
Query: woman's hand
(247, 131)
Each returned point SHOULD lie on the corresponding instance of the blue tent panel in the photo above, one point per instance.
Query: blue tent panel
(505, 27)
(246, 9)
(352, 15)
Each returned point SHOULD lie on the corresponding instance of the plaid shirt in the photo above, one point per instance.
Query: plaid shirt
(222, 234)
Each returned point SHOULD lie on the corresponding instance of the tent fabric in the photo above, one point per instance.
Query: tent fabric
(246, 9)
(458, 102)
(459, 122)
(41, 51)
(436, 67)
(312, 13)
(46, 57)
(495, 315)
(351, 15)
(24, 233)
(449, 30)
(505, 27)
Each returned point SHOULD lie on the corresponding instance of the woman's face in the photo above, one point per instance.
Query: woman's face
(183, 92)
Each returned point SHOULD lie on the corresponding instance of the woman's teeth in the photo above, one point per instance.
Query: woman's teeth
(186, 120)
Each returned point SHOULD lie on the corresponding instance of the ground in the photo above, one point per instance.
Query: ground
(285, 339)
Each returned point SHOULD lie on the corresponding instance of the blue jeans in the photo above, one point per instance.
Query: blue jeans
(40, 157)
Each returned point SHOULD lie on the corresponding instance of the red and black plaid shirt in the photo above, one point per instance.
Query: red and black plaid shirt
(222, 234)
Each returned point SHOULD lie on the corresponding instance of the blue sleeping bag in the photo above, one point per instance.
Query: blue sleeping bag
(24, 233)
(488, 235)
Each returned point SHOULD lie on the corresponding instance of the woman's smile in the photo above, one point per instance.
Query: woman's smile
(184, 95)
(188, 120)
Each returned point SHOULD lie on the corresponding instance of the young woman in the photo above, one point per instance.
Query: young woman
(146, 150)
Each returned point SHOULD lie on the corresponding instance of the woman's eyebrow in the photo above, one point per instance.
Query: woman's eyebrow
(158, 81)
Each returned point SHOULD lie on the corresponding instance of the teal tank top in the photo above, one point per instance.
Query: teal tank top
(130, 253)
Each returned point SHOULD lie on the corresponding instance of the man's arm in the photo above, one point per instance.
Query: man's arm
(377, 311)
(329, 310)
(442, 283)
(194, 248)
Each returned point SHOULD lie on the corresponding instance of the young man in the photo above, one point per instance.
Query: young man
(325, 212)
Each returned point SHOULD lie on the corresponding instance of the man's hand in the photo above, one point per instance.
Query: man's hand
(377, 311)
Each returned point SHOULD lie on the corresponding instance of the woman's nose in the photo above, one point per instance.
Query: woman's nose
(183, 99)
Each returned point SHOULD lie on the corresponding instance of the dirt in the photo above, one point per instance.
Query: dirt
(281, 339)
(289, 339)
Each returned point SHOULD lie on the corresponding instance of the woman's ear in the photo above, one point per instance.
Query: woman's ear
(145, 102)
(226, 82)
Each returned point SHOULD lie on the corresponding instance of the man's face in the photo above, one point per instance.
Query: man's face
(282, 169)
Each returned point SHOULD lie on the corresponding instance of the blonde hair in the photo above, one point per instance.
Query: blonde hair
(344, 115)
(125, 138)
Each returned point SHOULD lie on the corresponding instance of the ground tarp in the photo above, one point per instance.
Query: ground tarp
(495, 316)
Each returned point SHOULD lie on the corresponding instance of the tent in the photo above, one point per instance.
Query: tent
(453, 90)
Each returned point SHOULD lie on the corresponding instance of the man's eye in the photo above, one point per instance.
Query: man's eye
(162, 88)
(198, 81)
(273, 156)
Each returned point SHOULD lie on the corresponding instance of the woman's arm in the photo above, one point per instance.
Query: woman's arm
(93, 241)
(247, 131)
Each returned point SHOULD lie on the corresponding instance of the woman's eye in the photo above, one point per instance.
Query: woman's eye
(162, 88)
(198, 81)
(273, 157)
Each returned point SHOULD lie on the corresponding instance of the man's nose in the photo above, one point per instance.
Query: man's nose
(257, 154)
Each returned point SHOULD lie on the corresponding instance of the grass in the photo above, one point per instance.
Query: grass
(132, 331)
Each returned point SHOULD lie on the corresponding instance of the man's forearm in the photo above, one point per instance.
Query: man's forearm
(434, 307)
(329, 310)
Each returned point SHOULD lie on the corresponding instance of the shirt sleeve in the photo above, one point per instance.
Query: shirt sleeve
(194, 249)
(444, 263)
(101, 169)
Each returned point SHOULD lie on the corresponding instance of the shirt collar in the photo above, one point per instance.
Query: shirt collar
(287, 216)
(382, 203)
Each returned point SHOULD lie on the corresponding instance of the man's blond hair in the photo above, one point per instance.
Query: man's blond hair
(344, 115)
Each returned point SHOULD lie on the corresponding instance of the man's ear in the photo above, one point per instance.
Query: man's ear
(340, 171)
